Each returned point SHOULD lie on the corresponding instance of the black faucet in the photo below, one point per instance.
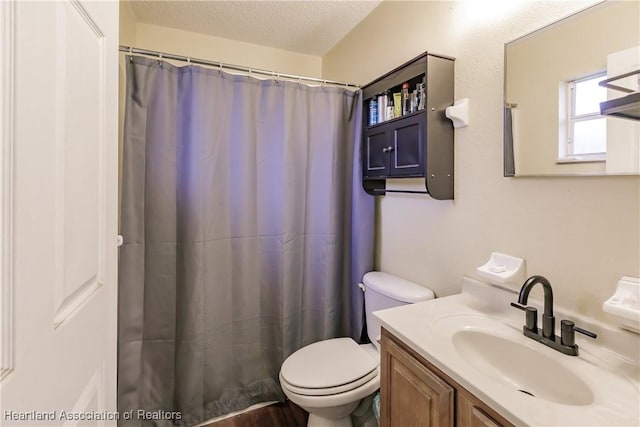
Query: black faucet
(548, 319)
(547, 336)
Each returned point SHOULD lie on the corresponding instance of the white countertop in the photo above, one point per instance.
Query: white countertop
(609, 365)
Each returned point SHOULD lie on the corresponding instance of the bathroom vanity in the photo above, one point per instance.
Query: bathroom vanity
(414, 392)
(463, 360)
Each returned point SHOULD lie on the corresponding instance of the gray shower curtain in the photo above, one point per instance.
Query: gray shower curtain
(246, 232)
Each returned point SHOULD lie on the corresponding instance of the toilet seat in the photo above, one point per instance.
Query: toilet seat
(328, 367)
(331, 390)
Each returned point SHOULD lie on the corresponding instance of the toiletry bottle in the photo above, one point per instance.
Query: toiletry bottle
(382, 108)
(373, 111)
(413, 107)
(406, 99)
(397, 104)
(390, 107)
(421, 96)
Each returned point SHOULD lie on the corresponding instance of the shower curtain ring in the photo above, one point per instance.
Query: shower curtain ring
(188, 60)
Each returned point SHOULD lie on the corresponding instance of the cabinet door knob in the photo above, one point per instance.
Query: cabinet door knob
(387, 149)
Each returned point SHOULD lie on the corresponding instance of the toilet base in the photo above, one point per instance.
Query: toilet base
(316, 420)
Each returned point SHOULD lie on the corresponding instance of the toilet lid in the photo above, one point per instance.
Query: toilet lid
(329, 363)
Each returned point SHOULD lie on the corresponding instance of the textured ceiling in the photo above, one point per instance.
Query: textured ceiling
(311, 26)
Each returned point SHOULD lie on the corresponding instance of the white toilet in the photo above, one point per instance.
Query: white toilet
(330, 378)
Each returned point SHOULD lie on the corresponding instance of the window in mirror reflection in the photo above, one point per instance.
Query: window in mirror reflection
(587, 129)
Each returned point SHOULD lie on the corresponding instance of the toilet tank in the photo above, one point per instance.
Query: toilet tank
(383, 291)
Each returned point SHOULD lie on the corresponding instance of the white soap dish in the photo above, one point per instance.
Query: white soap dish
(625, 303)
(503, 269)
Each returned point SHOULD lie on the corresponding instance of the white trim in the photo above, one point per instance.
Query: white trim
(233, 414)
(567, 152)
(583, 158)
(7, 64)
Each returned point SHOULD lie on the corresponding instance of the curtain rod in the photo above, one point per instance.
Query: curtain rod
(189, 60)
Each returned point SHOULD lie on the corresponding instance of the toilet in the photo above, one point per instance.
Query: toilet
(330, 378)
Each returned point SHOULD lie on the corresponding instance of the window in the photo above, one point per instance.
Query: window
(586, 128)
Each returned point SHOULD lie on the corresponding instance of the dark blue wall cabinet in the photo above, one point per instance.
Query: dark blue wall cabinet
(406, 133)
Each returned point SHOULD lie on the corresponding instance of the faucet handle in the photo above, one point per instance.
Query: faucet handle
(585, 332)
(519, 306)
(531, 319)
(567, 332)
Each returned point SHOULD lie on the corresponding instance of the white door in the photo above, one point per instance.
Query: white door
(58, 122)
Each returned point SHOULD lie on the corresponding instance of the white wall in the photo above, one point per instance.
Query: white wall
(203, 46)
(581, 233)
(127, 24)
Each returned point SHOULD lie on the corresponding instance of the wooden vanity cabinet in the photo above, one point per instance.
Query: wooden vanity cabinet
(471, 412)
(414, 393)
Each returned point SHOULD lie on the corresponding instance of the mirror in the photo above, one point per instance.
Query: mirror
(552, 120)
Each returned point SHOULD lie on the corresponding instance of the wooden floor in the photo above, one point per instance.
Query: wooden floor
(286, 414)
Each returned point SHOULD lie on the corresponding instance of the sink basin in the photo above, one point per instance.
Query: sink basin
(525, 369)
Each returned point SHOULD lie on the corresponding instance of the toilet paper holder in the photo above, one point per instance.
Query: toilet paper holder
(459, 113)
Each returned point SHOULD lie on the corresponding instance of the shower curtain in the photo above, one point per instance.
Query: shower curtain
(246, 232)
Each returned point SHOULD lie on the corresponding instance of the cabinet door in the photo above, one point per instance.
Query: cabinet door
(473, 413)
(412, 395)
(407, 137)
(376, 145)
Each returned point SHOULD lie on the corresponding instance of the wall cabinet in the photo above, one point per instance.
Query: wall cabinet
(396, 149)
(415, 393)
(412, 139)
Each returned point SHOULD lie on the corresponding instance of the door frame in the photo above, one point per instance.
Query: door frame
(7, 66)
